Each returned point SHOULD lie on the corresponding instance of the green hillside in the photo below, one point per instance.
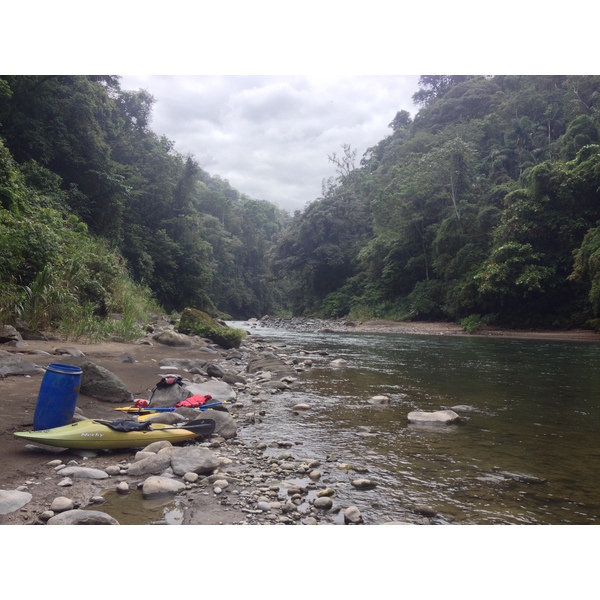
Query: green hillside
(483, 207)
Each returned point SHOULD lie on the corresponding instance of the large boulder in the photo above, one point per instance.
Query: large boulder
(225, 424)
(100, 383)
(9, 334)
(219, 390)
(169, 395)
(15, 365)
(197, 322)
(268, 361)
(172, 338)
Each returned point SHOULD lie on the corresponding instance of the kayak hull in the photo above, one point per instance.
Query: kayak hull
(94, 435)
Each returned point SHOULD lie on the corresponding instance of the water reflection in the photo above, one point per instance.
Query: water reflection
(133, 509)
(526, 451)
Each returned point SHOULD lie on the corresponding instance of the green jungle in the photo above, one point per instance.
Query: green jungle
(482, 209)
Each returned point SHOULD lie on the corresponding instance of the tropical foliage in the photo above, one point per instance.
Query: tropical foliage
(482, 208)
(92, 201)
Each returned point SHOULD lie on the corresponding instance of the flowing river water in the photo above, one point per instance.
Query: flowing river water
(525, 452)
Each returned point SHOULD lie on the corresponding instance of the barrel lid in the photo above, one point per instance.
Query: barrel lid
(64, 369)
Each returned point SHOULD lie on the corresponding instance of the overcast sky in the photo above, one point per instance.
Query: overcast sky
(270, 136)
(263, 127)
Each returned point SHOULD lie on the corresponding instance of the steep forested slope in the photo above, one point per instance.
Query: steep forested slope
(77, 155)
(484, 207)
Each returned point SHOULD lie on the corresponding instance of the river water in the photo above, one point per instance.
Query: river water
(526, 451)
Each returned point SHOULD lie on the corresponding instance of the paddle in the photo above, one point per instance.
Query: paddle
(198, 426)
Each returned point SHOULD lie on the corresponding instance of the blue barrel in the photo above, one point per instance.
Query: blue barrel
(58, 396)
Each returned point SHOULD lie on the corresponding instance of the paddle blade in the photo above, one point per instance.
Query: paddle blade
(201, 426)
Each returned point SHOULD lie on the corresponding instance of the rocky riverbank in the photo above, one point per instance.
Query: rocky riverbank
(247, 480)
(226, 479)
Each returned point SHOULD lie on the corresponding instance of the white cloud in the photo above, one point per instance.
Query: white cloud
(270, 136)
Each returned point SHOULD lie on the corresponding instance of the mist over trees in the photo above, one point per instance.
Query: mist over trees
(483, 208)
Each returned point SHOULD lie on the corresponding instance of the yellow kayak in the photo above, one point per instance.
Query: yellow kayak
(92, 434)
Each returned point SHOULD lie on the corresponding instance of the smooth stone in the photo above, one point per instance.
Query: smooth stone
(83, 472)
(61, 504)
(12, 500)
(352, 515)
(82, 517)
(160, 486)
(363, 484)
(323, 502)
(441, 417)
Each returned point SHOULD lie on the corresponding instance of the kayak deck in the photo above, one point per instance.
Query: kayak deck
(91, 434)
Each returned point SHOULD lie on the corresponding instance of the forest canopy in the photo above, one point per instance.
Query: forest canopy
(482, 208)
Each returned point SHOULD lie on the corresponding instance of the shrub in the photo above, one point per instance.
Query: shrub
(197, 322)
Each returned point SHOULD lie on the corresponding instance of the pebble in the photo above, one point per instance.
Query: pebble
(123, 487)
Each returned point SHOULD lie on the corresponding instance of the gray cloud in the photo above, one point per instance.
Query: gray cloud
(270, 136)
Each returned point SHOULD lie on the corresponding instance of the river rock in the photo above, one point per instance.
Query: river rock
(61, 504)
(100, 383)
(82, 517)
(9, 334)
(225, 424)
(233, 377)
(215, 370)
(172, 338)
(363, 484)
(323, 502)
(182, 364)
(12, 500)
(160, 486)
(378, 400)
(158, 446)
(338, 362)
(219, 390)
(439, 417)
(15, 365)
(69, 351)
(122, 487)
(352, 516)
(170, 395)
(268, 361)
(83, 472)
(194, 459)
(151, 465)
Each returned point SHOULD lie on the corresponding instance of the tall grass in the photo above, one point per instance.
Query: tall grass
(52, 303)
(133, 305)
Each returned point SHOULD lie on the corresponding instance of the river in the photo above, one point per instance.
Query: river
(525, 452)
